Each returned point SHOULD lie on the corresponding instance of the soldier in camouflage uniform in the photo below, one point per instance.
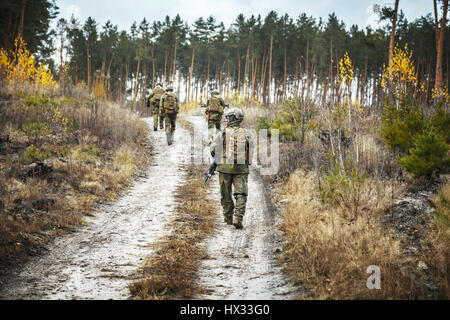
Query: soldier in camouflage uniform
(169, 108)
(232, 150)
(154, 100)
(214, 111)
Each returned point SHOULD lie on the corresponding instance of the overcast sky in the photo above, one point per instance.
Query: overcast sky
(123, 13)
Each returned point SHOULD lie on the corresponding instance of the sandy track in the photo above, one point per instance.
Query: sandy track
(241, 264)
(94, 262)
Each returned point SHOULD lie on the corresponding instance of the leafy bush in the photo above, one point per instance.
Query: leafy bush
(263, 123)
(293, 120)
(32, 154)
(87, 154)
(420, 136)
(35, 130)
(428, 156)
(345, 187)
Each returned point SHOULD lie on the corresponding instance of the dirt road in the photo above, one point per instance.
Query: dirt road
(95, 261)
(241, 264)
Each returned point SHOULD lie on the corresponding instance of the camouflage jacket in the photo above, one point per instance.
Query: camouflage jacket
(237, 158)
(161, 103)
(152, 97)
(210, 113)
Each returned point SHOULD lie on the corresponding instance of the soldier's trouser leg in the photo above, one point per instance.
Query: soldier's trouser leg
(226, 183)
(156, 115)
(213, 128)
(240, 184)
(170, 121)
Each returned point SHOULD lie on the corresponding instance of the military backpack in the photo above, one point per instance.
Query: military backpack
(236, 146)
(170, 103)
(158, 93)
(215, 105)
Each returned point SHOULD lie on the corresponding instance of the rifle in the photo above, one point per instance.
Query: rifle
(205, 106)
(211, 172)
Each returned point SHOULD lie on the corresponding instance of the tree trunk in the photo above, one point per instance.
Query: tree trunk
(440, 35)
(108, 76)
(191, 70)
(22, 17)
(127, 72)
(174, 68)
(136, 84)
(165, 65)
(152, 52)
(246, 72)
(285, 74)
(239, 73)
(270, 67)
(88, 67)
(394, 27)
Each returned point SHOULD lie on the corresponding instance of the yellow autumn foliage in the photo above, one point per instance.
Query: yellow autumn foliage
(401, 74)
(19, 67)
(346, 70)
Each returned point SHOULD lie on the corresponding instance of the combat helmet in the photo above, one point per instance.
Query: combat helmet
(234, 115)
(215, 92)
(169, 88)
(159, 84)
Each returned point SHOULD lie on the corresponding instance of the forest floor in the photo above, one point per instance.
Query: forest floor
(99, 261)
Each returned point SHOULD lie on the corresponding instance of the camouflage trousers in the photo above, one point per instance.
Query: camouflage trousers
(170, 122)
(214, 125)
(157, 116)
(240, 184)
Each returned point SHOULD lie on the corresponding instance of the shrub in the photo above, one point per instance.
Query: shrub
(419, 136)
(32, 154)
(35, 130)
(428, 156)
(293, 120)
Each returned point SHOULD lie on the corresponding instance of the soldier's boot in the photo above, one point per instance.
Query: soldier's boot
(229, 220)
(238, 222)
(169, 138)
(155, 124)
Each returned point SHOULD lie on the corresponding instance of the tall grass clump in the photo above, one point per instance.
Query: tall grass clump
(59, 154)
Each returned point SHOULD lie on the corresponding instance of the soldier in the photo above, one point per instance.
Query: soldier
(153, 100)
(169, 108)
(232, 150)
(214, 111)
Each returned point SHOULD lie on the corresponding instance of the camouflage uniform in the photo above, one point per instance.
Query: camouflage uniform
(170, 118)
(233, 173)
(154, 101)
(214, 112)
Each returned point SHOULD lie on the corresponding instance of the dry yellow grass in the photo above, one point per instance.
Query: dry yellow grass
(328, 252)
(106, 147)
(439, 238)
(170, 273)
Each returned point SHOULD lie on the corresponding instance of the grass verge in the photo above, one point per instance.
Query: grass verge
(60, 157)
(170, 273)
(327, 251)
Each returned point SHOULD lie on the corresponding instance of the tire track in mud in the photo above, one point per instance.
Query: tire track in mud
(241, 264)
(96, 261)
